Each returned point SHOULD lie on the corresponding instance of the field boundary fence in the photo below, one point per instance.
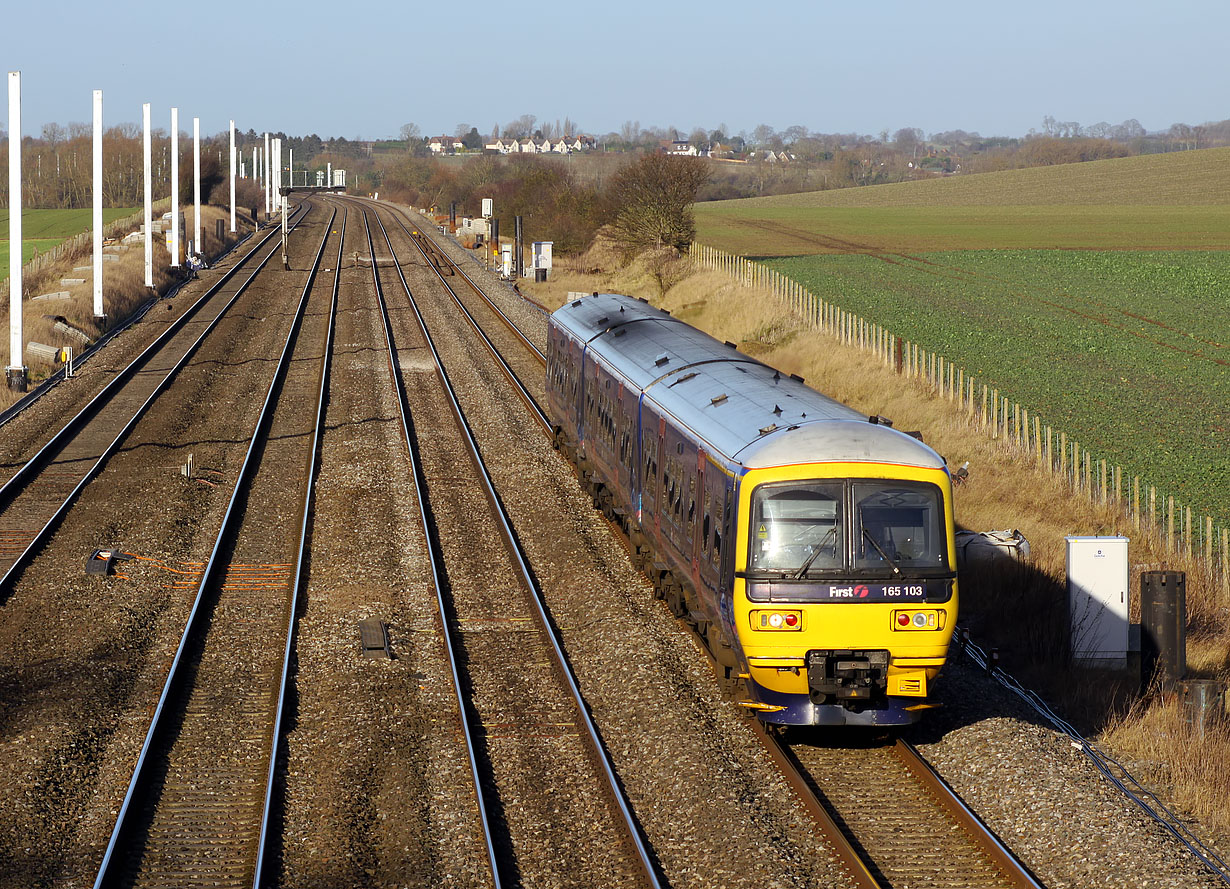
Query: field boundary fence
(83, 241)
(1169, 522)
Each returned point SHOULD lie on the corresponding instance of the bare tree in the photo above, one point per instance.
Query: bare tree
(410, 134)
(653, 199)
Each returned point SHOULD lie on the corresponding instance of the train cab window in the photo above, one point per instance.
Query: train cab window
(899, 525)
(797, 528)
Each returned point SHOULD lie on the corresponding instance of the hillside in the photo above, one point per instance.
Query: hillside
(1187, 178)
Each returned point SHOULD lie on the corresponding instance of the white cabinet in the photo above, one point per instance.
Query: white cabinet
(1098, 600)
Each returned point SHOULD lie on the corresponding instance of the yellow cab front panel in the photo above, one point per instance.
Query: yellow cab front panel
(845, 598)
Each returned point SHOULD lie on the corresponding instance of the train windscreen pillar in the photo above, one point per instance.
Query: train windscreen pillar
(1163, 626)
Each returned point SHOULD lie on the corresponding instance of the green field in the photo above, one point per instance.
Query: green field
(42, 230)
(1111, 321)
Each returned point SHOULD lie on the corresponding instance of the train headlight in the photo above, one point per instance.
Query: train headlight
(918, 620)
(777, 621)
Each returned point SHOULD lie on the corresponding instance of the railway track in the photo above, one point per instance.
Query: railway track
(527, 728)
(919, 834)
(39, 493)
(197, 810)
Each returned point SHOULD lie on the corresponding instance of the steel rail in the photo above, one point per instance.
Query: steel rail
(110, 870)
(1009, 866)
(436, 560)
(61, 374)
(535, 408)
(597, 748)
(46, 454)
(843, 849)
(297, 584)
(400, 214)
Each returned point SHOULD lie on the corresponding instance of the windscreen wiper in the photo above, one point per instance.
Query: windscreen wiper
(880, 550)
(802, 572)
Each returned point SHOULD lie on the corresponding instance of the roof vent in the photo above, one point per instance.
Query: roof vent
(661, 360)
(796, 377)
(603, 320)
(765, 430)
(776, 376)
(732, 345)
(877, 420)
(682, 379)
(577, 303)
(621, 309)
(777, 410)
(718, 399)
(621, 331)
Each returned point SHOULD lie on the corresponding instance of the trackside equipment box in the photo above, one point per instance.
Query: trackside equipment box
(1098, 600)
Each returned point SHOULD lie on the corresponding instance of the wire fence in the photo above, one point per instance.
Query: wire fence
(1176, 528)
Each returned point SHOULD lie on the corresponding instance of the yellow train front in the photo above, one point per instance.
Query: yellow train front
(809, 546)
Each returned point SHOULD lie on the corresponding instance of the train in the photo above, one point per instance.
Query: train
(811, 547)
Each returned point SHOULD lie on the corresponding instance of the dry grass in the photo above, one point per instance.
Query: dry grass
(1022, 611)
(124, 292)
(1168, 752)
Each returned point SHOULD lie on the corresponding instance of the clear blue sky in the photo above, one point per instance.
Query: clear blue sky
(363, 68)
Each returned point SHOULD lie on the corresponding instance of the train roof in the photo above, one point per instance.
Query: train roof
(745, 410)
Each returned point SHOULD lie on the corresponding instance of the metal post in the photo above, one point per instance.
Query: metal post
(196, 186)
(518, 247)
(291, 164)
(175, 214)
(232, 177)
(1163, 630)
(149, 201)
(16, 370)
(98, 214)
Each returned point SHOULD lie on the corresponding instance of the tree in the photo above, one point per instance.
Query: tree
(762, 135)
(699, 138)
(653, 200)
(410, 134)
(908, 139)
(473, 140)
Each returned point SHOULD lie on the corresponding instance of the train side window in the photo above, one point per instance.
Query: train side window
(704, 534)
(691, 504)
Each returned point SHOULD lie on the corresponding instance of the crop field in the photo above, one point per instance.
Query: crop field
(1110, 321)
(42, 230)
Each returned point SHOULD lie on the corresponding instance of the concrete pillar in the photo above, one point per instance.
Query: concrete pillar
(175, 248)
(98, 208)
(149, 200)
(16, 370)
(196, 185)
(232, 177)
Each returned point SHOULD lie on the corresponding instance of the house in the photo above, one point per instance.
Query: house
(527, 146)
(680, 147)
(562, 147)
(445, 145)
(499, 145)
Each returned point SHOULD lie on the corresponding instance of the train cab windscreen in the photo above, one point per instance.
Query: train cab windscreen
(796, 528)
(863, 527)
(898, 526)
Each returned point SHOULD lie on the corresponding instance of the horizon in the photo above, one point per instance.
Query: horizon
(995, 72)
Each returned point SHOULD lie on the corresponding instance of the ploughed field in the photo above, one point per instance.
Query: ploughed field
(1110, 320)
